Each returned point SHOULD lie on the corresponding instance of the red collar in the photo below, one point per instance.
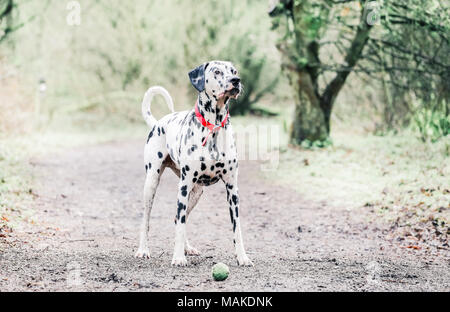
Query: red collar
(211, 127)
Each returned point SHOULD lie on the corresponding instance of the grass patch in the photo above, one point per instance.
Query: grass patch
(399, 179)
(15, 187)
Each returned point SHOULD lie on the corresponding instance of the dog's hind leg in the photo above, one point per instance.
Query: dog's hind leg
(194, 196)
(154, 171)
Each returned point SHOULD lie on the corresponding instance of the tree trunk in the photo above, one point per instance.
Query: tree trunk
(310, 122)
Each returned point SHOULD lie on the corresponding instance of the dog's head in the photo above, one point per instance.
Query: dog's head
(217, 78)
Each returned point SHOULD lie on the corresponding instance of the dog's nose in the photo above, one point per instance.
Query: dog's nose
(235, 80)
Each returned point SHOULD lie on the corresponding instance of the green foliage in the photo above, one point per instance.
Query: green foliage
(316, 144)
(231, 33)
(121, 48)
(302, 62)
(300, 22)
(7, 8)
(400, 47)
(253, 72)
(410, 48)
(432, 124)
(315, 21)
(129, 46)
(132, 72)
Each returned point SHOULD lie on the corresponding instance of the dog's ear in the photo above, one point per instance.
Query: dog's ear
(197, 77)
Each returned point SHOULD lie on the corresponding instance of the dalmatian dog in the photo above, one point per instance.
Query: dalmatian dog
(198, 145)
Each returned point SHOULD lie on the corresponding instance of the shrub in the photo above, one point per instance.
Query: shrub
(432, 124)
(252, 71)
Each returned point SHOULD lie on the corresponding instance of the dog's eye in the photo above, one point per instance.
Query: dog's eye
(217, 72)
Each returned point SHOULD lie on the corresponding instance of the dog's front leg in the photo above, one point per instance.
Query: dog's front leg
(184, 189)
(233, 201)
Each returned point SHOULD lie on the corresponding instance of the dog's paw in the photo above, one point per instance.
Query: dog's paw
(142, 253)
(191, 251)
(179, 261)
(244, 261)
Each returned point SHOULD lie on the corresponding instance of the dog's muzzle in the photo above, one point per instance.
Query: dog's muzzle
(236, 83)
(234, 91)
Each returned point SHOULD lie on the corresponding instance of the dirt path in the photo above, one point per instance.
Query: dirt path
(89, 210)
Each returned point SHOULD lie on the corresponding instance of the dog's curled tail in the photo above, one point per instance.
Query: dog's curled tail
(147, 101)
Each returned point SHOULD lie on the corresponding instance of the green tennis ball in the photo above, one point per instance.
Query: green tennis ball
(220, 271)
